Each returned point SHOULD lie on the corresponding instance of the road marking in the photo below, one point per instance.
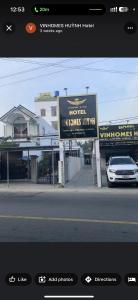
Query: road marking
(68, 220)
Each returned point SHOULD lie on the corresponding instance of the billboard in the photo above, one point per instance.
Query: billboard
(119, 133)
(78, 117)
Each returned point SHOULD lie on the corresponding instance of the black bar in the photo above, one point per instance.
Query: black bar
(86, 9)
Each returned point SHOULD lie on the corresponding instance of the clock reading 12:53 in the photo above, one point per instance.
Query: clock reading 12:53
(17, 9)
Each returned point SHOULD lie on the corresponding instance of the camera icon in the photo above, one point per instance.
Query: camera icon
(42, 279)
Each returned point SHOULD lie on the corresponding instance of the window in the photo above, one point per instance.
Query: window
(20, 130)
(55, 125)
(53, 111)
(43, 112)
(122, 161)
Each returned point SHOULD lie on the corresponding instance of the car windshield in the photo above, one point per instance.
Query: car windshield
(122, 161)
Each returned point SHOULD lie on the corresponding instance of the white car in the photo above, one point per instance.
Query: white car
(121, 169)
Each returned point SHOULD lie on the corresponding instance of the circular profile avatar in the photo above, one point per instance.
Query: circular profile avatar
(30, 27)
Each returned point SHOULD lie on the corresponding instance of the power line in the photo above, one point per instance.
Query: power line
(38, 76)
(120, 99)
(89, 69)
(21, 72)
(110, 71)
(71, 68)
(31, 78)
(81, 67)
(59, 71)
(28, 61)
(33, 69)
(120, 120)
(57, 64)
(35, 62)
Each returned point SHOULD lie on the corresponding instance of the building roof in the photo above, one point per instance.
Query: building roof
(16, 110)
(45, 97)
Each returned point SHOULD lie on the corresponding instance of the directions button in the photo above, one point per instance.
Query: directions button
(101, 279)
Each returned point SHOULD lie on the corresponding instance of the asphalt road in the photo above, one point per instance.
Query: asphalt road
(107, 215)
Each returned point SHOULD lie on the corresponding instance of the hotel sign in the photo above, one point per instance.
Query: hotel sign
(126, 132)
(78, 117)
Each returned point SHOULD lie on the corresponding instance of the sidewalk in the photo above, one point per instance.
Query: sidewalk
(27, 187)
(82, 180)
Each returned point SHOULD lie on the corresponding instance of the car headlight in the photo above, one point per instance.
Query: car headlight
(136, 171)
(112, 171)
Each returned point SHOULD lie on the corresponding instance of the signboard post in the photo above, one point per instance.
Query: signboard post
(78, 120)
(98, 163)
(61, 166)
(8, 180)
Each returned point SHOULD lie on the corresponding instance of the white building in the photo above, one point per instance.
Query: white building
(46, 106)
(34, 138)
(20, 123)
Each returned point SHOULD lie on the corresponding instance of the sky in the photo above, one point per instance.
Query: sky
(114, 80)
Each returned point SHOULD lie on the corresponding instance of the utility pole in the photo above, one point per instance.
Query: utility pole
(8, 180)
(66, 91)
(61, 164)
(98, 163)
(87, 90)
(53, 166)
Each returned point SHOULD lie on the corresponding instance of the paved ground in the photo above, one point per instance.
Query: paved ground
(83, 179)
(43, 213)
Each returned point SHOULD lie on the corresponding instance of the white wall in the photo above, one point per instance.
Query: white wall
(8, 130)
(74, 166)
(33, 129)
(34, 168)
(47, 106)
(1, 129)
(82, 157)
(48, 128)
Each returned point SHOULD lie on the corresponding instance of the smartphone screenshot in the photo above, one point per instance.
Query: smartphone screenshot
(69, 149)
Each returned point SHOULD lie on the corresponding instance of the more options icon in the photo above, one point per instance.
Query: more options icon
(130, 27)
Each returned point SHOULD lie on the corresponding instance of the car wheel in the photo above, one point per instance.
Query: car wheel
(110, 184)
